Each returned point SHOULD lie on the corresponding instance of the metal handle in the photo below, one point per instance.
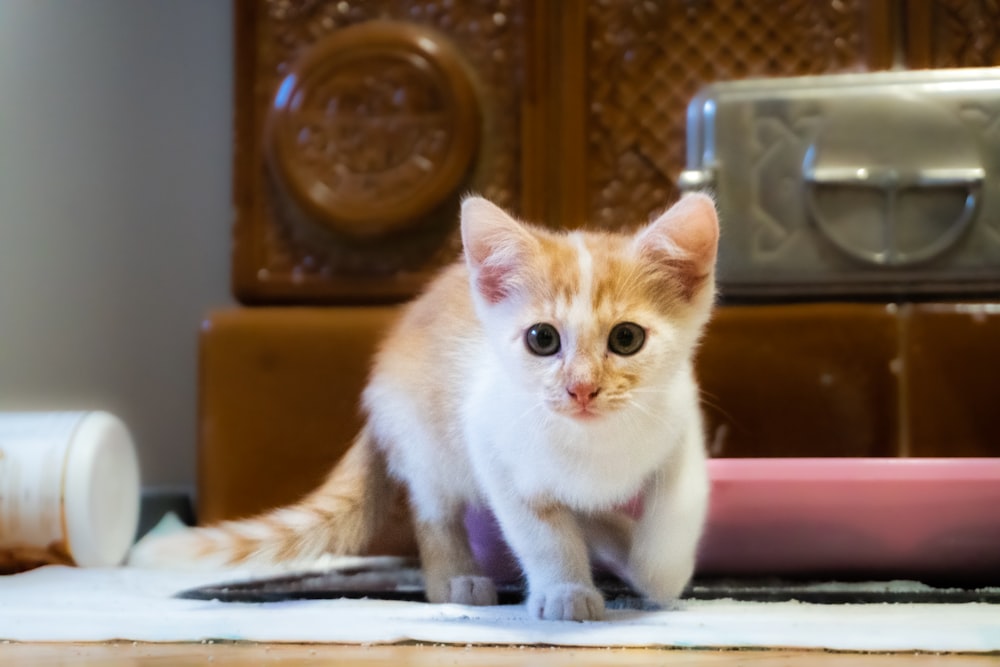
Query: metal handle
(891, 181)
(692, 180)
(886, 178)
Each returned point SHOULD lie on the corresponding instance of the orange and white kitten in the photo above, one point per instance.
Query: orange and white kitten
(548, 376)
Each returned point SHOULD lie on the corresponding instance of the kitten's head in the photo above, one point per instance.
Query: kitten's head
(593, 323)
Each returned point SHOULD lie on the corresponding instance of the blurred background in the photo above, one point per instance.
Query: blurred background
(209, 210)
(115, 210)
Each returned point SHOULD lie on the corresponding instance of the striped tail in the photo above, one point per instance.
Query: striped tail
(339, 518)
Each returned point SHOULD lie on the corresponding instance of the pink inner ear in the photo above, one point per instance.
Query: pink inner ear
(693, 226)
(493, 282)
(477, 249)
(683, 241)
(495, 247)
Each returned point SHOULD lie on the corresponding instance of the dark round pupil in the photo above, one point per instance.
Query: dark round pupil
(626, 338)
(543, 339)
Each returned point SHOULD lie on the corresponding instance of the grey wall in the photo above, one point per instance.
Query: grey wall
(115, 137)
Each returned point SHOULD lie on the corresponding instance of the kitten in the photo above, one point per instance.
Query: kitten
(547, 376)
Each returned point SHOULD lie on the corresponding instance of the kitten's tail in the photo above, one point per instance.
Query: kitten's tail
(339, 518)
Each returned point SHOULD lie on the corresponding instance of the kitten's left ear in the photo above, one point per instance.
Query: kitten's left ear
(684, 240)
(497, 247)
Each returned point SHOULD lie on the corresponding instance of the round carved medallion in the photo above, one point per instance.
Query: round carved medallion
(376, 126)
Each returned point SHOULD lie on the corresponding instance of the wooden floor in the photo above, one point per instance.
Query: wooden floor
(233, 655)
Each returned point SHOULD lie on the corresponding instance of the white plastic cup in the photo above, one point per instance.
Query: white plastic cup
(69, 487)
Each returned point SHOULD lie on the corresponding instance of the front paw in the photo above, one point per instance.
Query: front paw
(663, 583)
(567, 602)
(472, 590)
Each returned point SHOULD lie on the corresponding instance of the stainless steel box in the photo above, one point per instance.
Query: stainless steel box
(881, 184)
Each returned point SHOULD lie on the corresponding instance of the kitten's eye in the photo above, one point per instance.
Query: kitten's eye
(542, 339)
(626, 338)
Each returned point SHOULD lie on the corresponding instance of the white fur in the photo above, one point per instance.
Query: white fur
(466, 415)
(585, 264)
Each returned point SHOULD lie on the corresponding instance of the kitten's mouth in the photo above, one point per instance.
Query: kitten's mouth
(576, 412)
(588, 413)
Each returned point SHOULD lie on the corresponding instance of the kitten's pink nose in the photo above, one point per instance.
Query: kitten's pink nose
(583, 392)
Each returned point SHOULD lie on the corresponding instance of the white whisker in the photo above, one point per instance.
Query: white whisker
(645, 410)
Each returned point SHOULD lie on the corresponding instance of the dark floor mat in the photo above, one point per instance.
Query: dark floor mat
(392, 579)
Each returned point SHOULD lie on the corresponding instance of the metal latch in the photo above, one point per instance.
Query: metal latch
(862, 183)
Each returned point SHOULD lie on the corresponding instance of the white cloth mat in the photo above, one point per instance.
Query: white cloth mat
(61, 604)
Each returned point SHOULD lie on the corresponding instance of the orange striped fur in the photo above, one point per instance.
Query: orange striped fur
(465, 408)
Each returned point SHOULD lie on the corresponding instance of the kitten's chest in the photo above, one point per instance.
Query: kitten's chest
(517, 445)
(589, 468)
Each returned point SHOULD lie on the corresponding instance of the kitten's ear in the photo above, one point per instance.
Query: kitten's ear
(496, 247)
(684, 241)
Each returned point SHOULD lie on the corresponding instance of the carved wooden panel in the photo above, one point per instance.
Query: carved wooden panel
(359, 124)
(644, 61)
(952, 33)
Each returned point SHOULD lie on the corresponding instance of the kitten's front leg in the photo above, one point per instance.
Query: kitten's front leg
(609, 537)
(450, 570)
(665, 542)
(548, 541)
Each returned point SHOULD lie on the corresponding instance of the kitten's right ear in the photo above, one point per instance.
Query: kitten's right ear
(496, 248)
(683, 241)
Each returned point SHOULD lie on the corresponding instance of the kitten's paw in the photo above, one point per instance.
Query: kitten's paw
(567, 602)
(472, 590)
(664, 584)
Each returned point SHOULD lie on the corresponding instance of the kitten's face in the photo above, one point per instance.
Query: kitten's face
(588, 340)
(590, 324)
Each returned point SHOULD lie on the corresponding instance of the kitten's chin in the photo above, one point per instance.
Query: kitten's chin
(586, 415)
(580, 415)
(573, 412)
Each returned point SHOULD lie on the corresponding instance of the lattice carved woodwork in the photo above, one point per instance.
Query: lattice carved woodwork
(952, 33)
(569, 112)
(644, 61)
(359, 125)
